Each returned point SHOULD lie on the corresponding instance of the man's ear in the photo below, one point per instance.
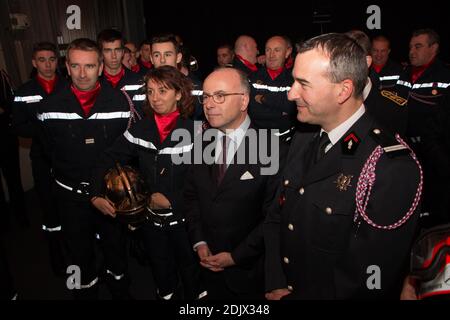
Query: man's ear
(435, 48)
(288, 52)
(179, 57)
(345, 91)
(100, 69)
(34, 63)
(245, 102)
(369, 61)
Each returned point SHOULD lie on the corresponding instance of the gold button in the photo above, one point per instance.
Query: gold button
(286, 260)
(301, 191)
(291, 227)
(328, 211)
(377, 131)
(286, 182)
(290, 288)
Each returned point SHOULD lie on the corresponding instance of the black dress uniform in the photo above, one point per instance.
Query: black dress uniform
(9, 161)
(424, 97)
(436, 148)
(273, 110)
(315, 247)
(388, 109)
(25, 124)
(165, 237)
(228, 217)
(388, 76)
(75, 142)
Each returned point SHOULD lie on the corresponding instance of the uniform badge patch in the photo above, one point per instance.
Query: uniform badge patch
(394, 97)
(343, 182)
(350, 143)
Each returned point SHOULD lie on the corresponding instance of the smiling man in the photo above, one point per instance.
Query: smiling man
(424, 85)
(269, 106)
(317, 247)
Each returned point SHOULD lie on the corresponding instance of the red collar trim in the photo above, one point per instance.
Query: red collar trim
(47, 85)
(114, 80)
(274, 73)
(248, 64)
(166, 123)
(86, 98)
(146, 64)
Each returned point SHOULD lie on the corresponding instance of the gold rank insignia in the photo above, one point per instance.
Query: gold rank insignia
(343, 182)
(394, 98)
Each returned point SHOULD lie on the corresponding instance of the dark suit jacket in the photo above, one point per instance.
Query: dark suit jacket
(229, 217)
(313, 243)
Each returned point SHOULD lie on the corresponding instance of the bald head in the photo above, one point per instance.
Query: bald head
(247, 48)
(226, 98)
(277, 51)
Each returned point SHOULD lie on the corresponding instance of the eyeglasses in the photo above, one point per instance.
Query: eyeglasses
(217, 97)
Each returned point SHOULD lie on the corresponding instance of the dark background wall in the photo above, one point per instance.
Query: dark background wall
(203, 26)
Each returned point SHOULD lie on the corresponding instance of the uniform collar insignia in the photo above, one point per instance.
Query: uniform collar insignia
(350, 143)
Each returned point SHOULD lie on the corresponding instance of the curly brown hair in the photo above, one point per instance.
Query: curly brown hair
(172, 78)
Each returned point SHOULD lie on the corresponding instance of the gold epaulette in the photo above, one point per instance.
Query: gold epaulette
(393, 97)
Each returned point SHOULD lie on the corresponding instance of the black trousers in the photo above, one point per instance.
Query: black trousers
(218, 288)
(10, 169)
(174, 265)
(80, 223)
(6, 282)
(43, 184)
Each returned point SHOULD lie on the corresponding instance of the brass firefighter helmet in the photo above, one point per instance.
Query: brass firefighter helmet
(125, 189)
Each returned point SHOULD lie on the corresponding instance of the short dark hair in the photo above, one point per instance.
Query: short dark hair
(84, 44)
(167, 37)
(433, 36)
(145, 42)
(362, 39)
(347, 58)
(44, 46)
(109, 35)
(226, 46)
(170, 77)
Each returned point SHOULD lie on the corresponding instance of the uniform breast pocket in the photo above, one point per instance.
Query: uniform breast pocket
(331, 225)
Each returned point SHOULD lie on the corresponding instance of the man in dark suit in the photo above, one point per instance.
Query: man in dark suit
(226, 200)
(321, 241)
